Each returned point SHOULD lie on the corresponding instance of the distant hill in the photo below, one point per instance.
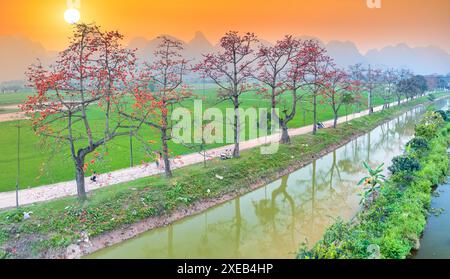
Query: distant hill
(16, 53)
(345, 53)
(197, 46)
(421, 60)
(424, 60)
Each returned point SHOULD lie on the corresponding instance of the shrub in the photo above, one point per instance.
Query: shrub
(443, 115)
(431, 97)
(429, 125)
(404, 163)
(418, 144)
(14, 216)
(425, 131)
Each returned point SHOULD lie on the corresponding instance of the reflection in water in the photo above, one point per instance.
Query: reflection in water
(273, 221)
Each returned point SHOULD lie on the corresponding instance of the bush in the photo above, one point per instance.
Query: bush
(443, 114)
(431, 97)
(14, 216)
(404, 163)
(429, 126)
(418, 144)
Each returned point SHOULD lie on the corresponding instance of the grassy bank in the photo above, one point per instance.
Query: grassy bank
(392, 225)
(54, 225)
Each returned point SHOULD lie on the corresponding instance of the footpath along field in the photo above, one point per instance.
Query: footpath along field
(43, 164)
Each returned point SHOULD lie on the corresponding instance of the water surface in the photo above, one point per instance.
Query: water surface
(435, 243)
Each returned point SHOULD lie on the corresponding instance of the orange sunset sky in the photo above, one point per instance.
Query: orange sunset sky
(415, 22)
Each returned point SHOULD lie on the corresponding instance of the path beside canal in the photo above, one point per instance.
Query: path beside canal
(68, 188)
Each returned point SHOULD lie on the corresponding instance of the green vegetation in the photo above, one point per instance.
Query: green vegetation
(393, 223)
(374, 180)
(46, 163)
(418, 144)
(56, 224)
(13, 98)
(7, 110)
(403, 164)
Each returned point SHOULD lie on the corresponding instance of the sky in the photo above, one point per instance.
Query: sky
(415, 22)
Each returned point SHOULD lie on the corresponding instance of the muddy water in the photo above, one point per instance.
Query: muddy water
(273, 221)
(435, 243)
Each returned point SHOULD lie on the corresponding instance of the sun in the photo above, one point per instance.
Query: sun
(72, 16)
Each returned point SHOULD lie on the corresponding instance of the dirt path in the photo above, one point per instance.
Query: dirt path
(5, 117)
(63, 189)
(11, 116)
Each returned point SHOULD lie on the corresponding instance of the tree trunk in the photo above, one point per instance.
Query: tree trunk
(314, 114)
(370, 102)
(285, 139)
(165, 153)
(346, 113)
(237, 127)
(335, 120)
(81, 190)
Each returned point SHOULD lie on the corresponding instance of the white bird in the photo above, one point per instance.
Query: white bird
(26, 215)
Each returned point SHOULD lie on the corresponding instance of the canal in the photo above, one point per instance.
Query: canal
(274, 220)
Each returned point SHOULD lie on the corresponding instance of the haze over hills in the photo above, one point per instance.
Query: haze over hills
(16, 53)
(419, 59)
(345, 53)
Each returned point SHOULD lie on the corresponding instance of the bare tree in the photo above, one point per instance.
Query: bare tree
(402, 75)
(370, 79)
(231, 69)
(390, 79)
(315, 77)
(339, 90)
(273, 73)
(88, 74)
(158, 90)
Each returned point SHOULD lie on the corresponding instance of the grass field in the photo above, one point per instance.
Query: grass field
(7, 110)
(46, 163)
(13, 98)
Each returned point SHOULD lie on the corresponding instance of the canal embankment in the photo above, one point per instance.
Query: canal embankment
(392, 224)
(115, 214)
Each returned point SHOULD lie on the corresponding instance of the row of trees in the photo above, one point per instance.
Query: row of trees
(12, 86)
(97, 70)
(437, 82)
